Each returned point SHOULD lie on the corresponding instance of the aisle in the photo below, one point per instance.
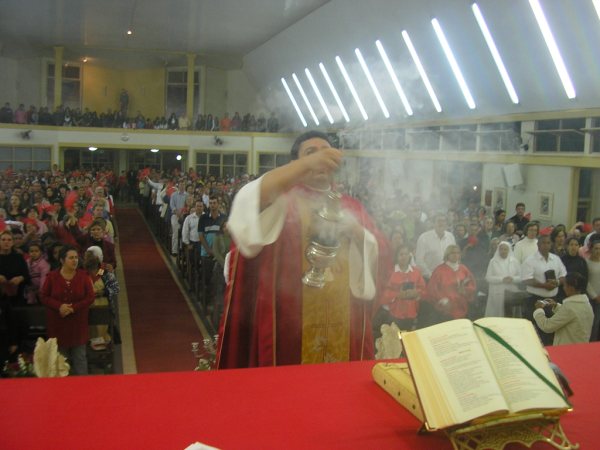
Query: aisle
(162, 324)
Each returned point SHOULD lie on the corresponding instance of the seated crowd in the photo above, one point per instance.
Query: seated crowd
(65, 116)
(57, 243)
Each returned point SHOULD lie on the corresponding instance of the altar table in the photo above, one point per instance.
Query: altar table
(326, 406)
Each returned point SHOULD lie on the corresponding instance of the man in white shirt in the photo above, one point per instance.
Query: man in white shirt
(189, 229)
(572, 321)
(432, 244)
(177, 205)
(542, 273)
(529, 244)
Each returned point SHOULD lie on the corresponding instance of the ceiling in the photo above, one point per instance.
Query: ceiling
(273, 39)
(218, 31)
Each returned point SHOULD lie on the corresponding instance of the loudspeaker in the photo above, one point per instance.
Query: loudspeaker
(513, 175)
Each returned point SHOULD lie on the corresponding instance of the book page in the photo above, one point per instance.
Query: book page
(457, 372)
(522, 388)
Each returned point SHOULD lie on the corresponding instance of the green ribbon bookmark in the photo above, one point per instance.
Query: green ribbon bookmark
(491, 333)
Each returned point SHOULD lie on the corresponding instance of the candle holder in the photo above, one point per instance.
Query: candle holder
(207, 356)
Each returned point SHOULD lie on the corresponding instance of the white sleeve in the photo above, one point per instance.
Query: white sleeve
(363, 268)
(185, 231)
(527, 270)
(250, 228)
(420, 257)
(492, 276)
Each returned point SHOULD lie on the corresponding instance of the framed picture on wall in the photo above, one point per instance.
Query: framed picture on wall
(487, 199)
(545, 205)
(499, 201)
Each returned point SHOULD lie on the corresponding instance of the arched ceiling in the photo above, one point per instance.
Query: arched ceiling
(272, 39)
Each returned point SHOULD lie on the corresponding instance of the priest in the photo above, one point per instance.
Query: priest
(271, 317)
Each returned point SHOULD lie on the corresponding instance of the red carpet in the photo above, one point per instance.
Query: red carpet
(162, 323)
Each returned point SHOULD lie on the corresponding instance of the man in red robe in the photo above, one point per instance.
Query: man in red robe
(271, 317)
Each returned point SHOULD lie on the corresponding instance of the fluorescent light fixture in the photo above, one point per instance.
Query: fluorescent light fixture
(154, 150)
(92, 148)
(178, 157)
(334, 92)
(303, 94)
(453, 64)
(597, 6)
(390, 69)
(291, 96)
(340, 64)
(553, 48)
(421, 69)
(367, 72)
(495, 54)
(318, 93)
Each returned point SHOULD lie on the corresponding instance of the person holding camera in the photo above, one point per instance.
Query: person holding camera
(542, 273)
(572, 321)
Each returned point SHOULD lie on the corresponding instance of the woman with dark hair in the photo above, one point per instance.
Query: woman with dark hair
(510, 234)
(572, 261)
(499, 218)
(593, 286)
(15, 211)
(68, 294)
(558, 238)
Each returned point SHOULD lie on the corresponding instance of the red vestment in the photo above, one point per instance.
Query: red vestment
(262, 320)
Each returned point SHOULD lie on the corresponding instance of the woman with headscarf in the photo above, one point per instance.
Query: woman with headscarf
(503, 274)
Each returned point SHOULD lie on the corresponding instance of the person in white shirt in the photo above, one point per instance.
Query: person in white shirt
(157, 188)
(529, 244)
(431, 246)
(542, 273)
(189, 229)
(572, 321)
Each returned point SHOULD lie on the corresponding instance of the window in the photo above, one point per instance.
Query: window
(268, 161)
(222, 164)
(427, 138)
(503, 137)
(177, 92)
(25, 158)
(71, 85)
(596, 135)
(458, 137)
(563, 135)
(75, 158)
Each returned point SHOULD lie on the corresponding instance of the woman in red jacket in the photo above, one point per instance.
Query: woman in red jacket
(451, 287)
(67, 295)
(402, 295)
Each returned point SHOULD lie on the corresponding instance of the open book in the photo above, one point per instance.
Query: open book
(461, 373)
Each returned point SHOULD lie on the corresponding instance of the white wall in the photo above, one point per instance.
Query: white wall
(538, 179)
(29, 82)
(241, 94)
(8, 82)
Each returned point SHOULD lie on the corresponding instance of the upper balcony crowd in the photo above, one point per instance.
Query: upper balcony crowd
(65, 116)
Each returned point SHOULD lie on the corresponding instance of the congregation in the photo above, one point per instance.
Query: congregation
(119, 118)
(465, 261)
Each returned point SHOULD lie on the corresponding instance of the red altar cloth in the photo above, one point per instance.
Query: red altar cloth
(293, 407)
